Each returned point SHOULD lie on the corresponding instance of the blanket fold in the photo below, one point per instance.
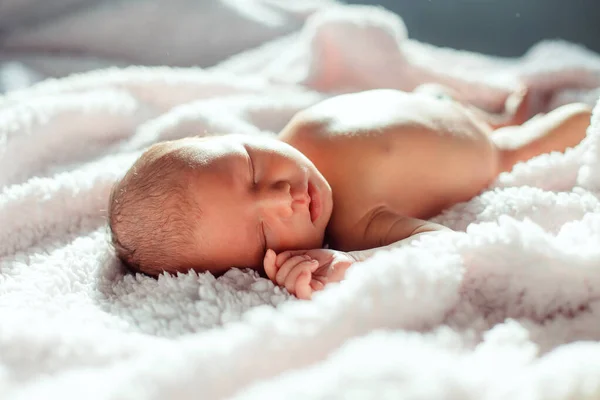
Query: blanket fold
(505, 307)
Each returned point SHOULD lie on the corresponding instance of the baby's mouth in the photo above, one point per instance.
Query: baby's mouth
(314, 206)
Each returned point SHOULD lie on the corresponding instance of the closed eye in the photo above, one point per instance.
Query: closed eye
(252, 169)
(263, 237)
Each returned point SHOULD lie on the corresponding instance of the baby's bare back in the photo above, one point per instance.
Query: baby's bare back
(410, 154)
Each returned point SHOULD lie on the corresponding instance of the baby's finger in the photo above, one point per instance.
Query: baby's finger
(316, 285)
(284, 270)
(303, 289)
(290, 281)
(286, 255)
(269, 264)
(321, 279)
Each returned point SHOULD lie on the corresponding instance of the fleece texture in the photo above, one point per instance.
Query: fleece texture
(506, 308)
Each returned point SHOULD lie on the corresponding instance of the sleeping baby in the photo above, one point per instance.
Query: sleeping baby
(344, 178)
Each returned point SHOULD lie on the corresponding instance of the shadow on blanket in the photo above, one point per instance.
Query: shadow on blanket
(491, 312)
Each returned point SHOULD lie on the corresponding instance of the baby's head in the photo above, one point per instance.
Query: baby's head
(213, 203)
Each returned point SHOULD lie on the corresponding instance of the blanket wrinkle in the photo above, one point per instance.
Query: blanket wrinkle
(505, 307)
(178, 34)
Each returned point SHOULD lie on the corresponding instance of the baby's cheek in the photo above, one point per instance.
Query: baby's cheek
(287, 239)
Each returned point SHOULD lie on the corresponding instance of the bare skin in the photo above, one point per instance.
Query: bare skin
(357, 172)
(393, 160)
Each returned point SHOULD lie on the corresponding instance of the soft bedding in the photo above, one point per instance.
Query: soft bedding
(509, 308)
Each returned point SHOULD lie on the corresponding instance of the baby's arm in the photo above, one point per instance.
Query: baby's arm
(302, 272)
(389, 230)
(515, 111)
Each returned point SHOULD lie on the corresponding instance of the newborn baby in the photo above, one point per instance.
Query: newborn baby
(351, 174)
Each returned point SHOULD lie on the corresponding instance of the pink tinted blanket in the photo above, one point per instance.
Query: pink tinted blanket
(509, 308)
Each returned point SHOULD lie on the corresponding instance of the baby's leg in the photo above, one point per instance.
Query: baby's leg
(558, 130)
(515, 110)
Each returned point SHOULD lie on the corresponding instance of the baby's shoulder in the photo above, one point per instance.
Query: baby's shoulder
(370, 117)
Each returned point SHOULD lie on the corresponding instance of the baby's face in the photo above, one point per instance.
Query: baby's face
(255, 193)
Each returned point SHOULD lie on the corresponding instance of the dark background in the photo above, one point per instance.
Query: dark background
(498, 27)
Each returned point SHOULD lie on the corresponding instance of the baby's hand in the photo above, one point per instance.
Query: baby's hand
(302, 272)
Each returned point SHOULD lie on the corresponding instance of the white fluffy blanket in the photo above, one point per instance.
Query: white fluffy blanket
(54, 38)
(508, 309)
